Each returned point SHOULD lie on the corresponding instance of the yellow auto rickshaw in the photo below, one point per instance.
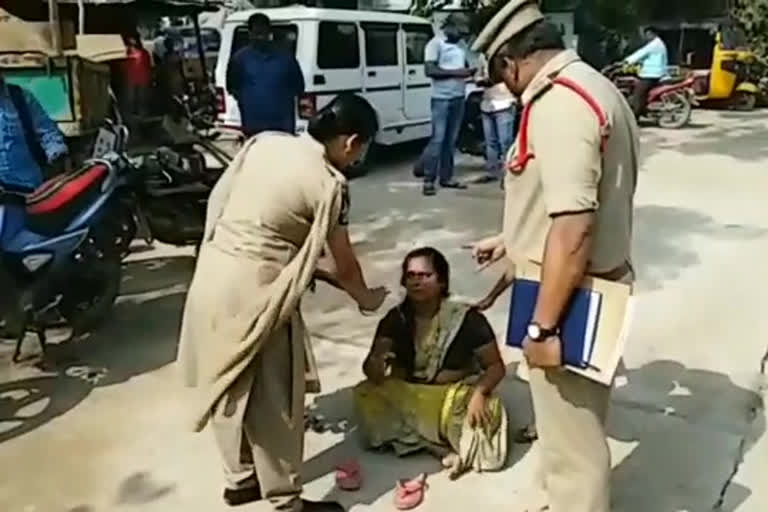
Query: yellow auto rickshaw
(730, 81)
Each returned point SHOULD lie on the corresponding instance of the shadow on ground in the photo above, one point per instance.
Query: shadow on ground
(140, 489)
(743, 141)
(663, 245)
(136, 490)
(689, 429)
(140, 337)
(681, 434)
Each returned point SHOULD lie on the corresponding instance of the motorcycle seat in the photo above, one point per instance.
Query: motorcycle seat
(12, 196)
(667, 87)
(191, 188)
(55, 204)
(672, 80)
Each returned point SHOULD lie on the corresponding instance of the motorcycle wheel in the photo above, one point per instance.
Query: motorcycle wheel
(359, 168)
(86, 306)
(126, 232)
(119, 228)
(676, 111)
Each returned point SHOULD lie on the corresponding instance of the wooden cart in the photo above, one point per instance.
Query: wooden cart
(73, 90)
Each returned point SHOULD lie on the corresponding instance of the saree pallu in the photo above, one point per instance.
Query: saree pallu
(411, 417)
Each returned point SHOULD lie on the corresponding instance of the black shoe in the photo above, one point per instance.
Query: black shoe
(429, 189)
(235, 497)
(486, 179)
(453, 184)
(321, 506)
(418, 171)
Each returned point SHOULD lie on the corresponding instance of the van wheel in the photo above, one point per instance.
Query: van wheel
(360, 168)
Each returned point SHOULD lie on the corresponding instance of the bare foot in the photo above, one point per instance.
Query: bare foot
(451, 460)
(452, 463)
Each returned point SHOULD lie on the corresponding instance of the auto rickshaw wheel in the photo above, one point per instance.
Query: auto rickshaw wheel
(744, 101)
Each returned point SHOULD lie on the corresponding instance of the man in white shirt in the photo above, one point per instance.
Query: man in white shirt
(499, 109)
(445, 62)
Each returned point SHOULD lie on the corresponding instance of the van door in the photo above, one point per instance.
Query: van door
(418, 86)
(337, 64)
(383, 73)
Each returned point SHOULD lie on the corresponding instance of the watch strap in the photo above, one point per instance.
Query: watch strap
(545, 333)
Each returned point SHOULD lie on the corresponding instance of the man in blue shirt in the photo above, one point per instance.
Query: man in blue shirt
(445, 62)
(29, 139)
(653, 60)
(266, 82)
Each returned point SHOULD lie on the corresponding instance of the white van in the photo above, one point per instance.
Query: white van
(379, 55)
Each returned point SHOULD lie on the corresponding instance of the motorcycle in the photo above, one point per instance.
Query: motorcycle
(669, 104)
(57, 257)
(472, 136)
(167, 193)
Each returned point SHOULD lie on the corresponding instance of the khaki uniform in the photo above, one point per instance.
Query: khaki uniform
(243, 342)
(573, 169)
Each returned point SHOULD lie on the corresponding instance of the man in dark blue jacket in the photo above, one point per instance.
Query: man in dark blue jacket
(266, 81)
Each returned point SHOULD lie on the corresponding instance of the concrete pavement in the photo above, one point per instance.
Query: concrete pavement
(107, 433)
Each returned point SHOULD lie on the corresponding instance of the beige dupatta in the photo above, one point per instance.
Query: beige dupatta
(273, 305)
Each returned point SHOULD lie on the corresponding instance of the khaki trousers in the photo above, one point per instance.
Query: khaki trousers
(259, 425)
(575, 464)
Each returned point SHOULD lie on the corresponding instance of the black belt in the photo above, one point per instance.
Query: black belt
(616, 274)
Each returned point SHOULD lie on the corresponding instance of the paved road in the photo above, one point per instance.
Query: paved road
(107, 432)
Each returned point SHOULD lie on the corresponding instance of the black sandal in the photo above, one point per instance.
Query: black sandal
(236, 497)
(526, 435)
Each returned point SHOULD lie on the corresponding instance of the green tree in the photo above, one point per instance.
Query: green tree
(752, 16)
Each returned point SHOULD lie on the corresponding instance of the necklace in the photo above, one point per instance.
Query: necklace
(426, 343)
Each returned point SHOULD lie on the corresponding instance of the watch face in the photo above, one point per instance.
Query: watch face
(534, 331)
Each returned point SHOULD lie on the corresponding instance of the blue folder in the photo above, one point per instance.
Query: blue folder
(578, 328)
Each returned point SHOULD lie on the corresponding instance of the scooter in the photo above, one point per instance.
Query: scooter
(669, 104)
(58, 251)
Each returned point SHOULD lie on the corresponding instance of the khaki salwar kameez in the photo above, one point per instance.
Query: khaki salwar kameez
(243, 343)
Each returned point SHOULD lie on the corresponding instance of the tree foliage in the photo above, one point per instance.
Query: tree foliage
(752, 16)
(610, 14)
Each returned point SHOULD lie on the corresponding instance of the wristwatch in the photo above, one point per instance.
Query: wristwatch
(538, 333)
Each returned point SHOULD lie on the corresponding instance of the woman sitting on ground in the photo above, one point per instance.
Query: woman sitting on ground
(432, 372)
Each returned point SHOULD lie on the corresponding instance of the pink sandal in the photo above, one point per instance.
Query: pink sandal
(349, 476)
(409, 494)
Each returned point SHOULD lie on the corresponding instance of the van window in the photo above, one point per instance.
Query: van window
(338, 46)
(380, 44)
(283, 35)
(210, 36)
(416, 39)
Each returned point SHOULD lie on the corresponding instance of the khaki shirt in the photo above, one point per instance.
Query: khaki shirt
(569, 173)
(275, 193)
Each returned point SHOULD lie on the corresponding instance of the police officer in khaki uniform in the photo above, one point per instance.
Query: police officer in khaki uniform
(569, 203)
